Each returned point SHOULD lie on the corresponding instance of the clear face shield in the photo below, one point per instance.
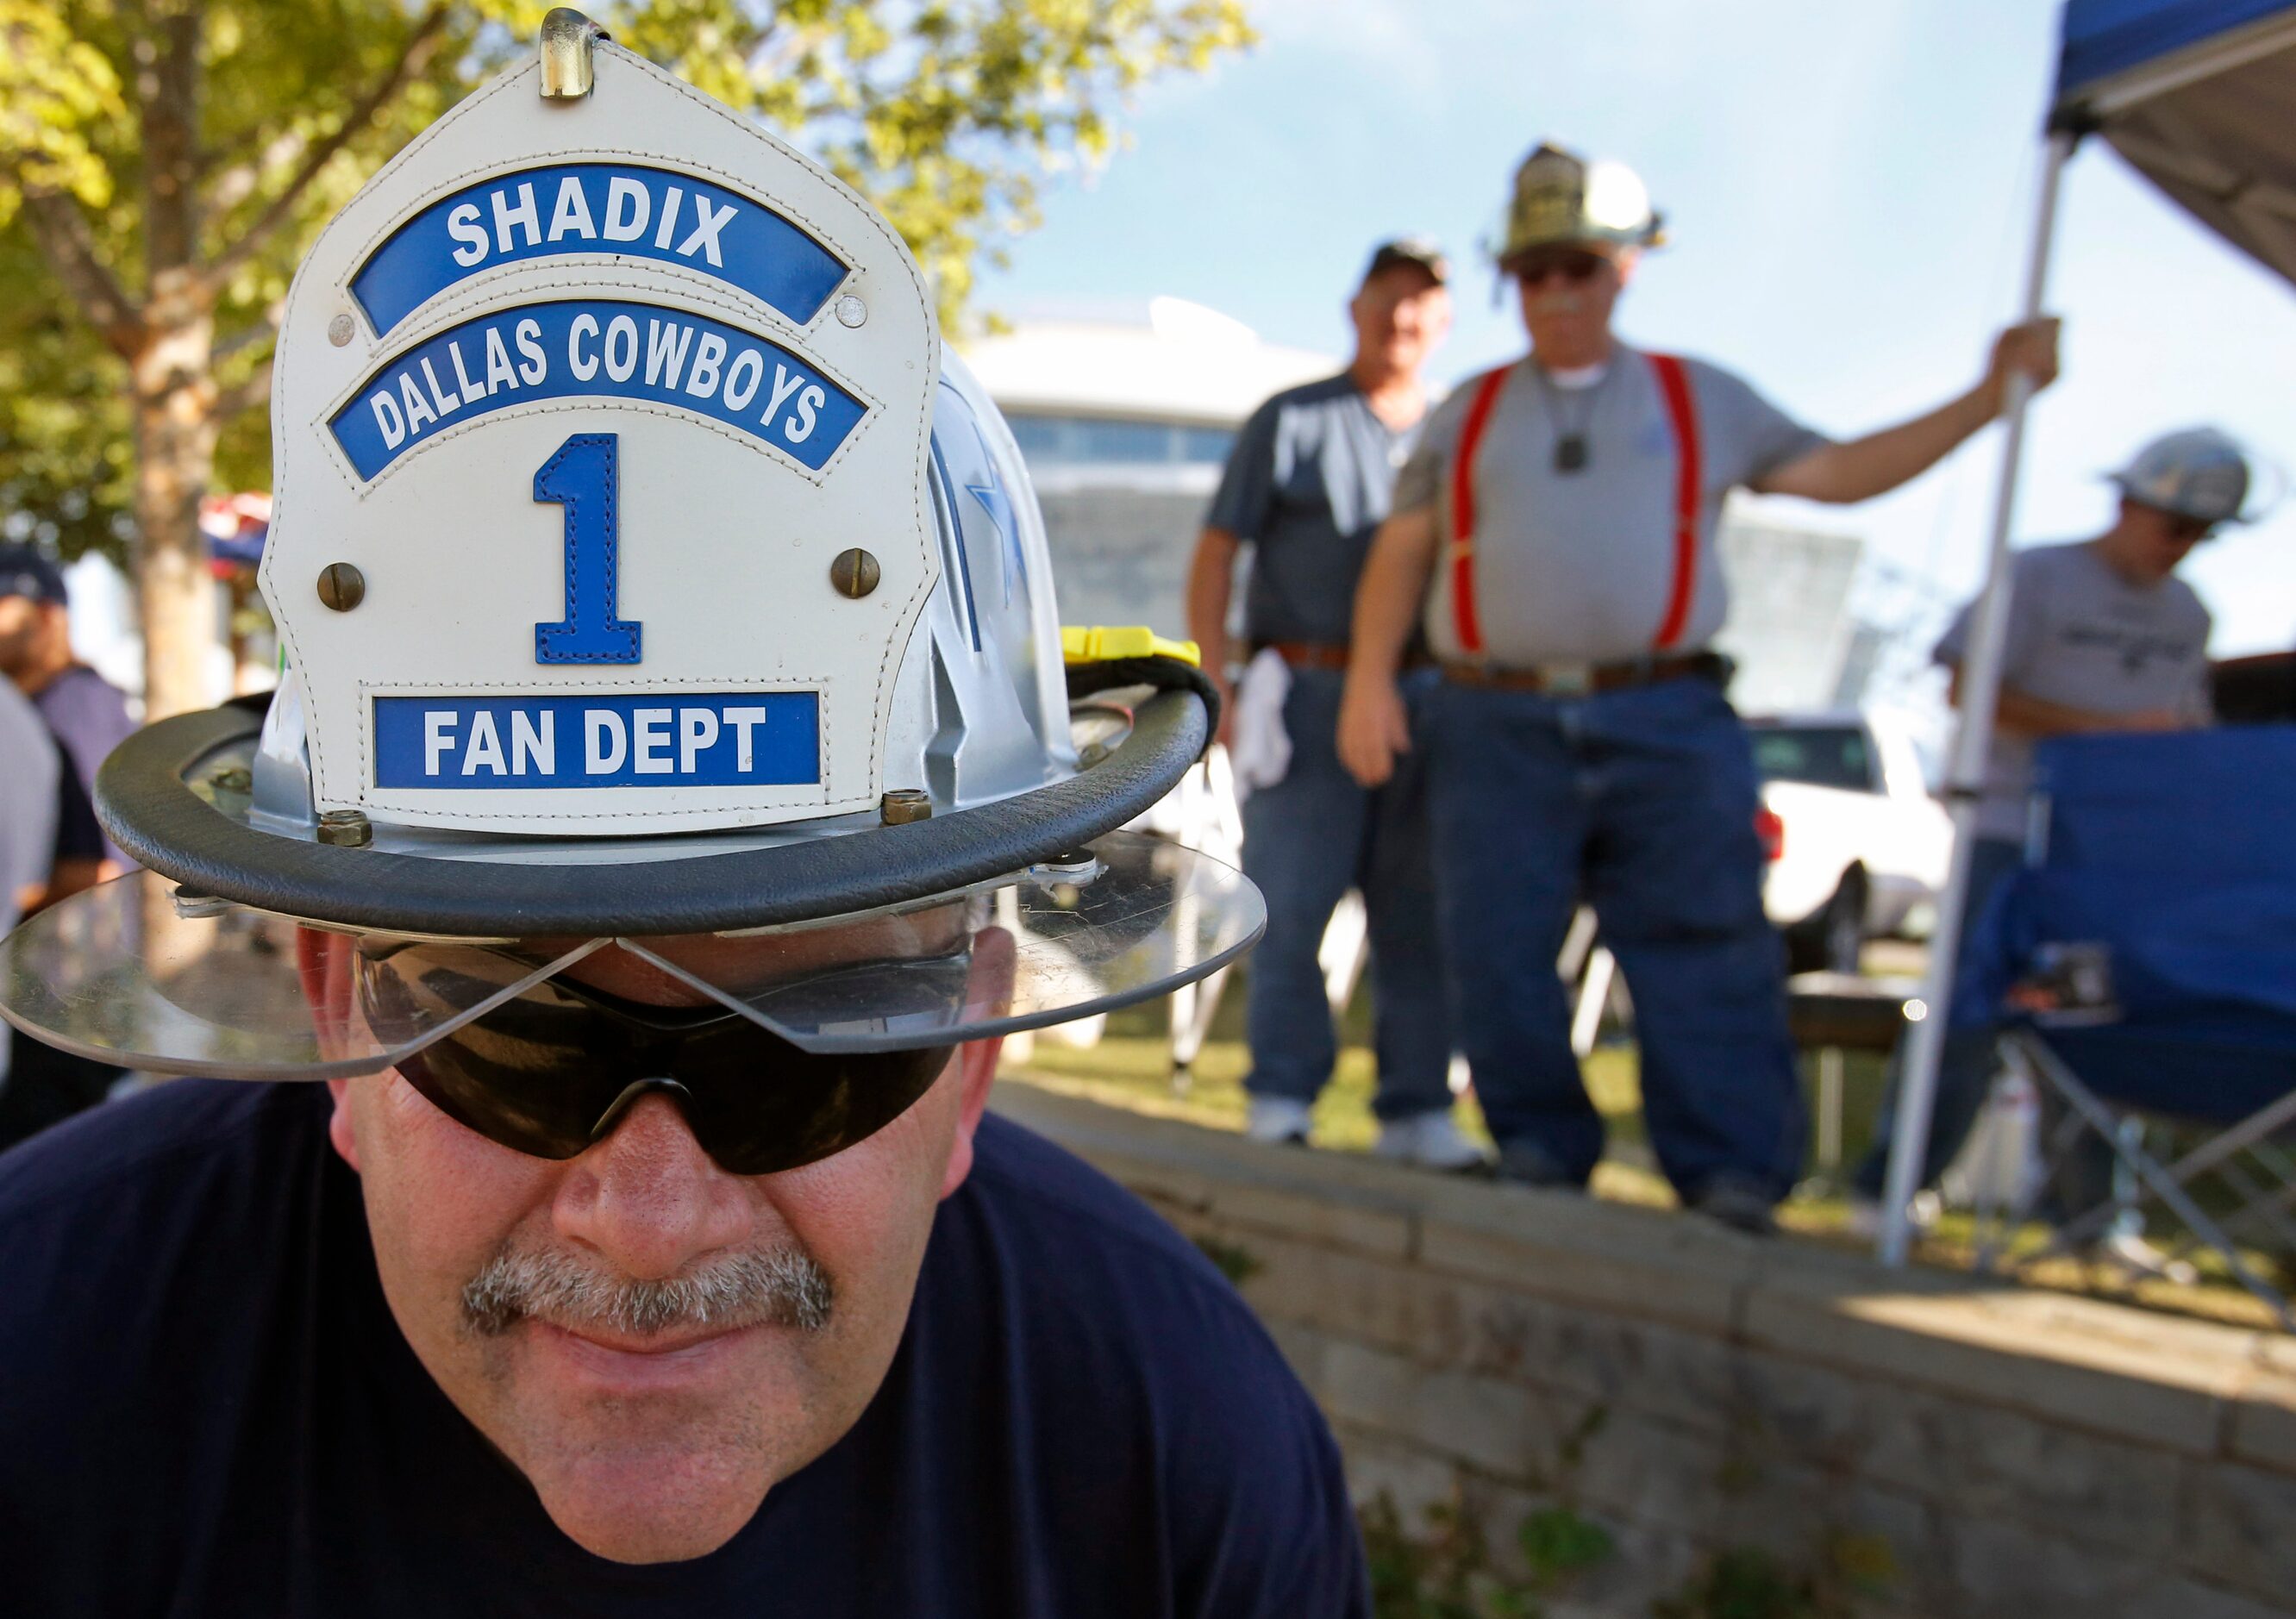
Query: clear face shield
(782, 1043)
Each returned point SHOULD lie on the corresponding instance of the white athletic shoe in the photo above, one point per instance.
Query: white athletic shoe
(1277, 1120)
(2140, 1258)
(1431, 1141)
(1864, 1219)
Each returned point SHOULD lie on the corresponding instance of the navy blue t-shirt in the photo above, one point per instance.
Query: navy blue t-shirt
(206, 1408)
(1308, 485)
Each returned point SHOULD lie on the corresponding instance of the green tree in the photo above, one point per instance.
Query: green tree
(163, 164)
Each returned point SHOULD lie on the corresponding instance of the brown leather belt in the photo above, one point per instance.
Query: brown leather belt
(1330, 655)
(1308, 654)
(1581, 679)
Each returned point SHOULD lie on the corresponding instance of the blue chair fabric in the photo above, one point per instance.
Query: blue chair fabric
(2178, 853)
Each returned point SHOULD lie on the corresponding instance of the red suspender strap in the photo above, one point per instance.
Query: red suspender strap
(1674, 389)
(1469, 627)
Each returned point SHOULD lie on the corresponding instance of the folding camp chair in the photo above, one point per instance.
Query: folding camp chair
(2143, 965)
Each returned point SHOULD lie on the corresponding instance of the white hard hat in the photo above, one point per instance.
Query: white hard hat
(645, 569)
(2195, 472)
(1561, 197)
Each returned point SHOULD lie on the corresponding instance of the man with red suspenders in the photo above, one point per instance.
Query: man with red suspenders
(1563, 510)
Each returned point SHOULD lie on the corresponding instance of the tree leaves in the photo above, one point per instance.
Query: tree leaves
(54, 90)
(946, 114)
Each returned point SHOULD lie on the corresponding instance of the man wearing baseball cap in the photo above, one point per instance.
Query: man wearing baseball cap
(86, 712)
(668, 802)
(1563, 510)
(81, 716)
(1306, 485)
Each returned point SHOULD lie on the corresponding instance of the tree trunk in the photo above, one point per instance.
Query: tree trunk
(174, 394)
(172, 381)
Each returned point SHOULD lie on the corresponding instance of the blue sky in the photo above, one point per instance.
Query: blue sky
(1848, 188)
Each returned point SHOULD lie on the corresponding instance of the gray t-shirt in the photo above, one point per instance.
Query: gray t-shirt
(1307, 486)
(89, 716)
(2082, 636)
(1579, 565)
(27, 807)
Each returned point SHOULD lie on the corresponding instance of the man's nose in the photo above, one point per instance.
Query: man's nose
(646, 1198)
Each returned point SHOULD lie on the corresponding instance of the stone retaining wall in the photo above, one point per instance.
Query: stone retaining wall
(1911, 1443)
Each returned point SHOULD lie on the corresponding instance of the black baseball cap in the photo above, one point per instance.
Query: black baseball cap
(24, 571)
(1416, 250)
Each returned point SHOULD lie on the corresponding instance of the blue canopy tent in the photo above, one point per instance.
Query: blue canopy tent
(2197, 95)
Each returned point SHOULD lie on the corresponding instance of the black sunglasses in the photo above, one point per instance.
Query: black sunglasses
(1573, 264)
(551, 1071)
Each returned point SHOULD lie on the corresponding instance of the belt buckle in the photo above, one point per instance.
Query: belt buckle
(1566, 679)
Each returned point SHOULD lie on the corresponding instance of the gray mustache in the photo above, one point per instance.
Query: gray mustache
(773, 1287)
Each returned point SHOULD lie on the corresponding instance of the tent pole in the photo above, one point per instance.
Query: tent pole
(1980, 690)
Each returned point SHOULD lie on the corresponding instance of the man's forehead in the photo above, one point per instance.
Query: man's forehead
(1402, 280)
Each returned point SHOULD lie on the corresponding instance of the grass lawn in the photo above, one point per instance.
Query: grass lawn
(1130, 1068)
(1133, 1070)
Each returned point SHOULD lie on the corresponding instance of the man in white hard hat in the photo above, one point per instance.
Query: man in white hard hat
(669, 801)
(2102, 637)
(1306, 487)
(1562, 508)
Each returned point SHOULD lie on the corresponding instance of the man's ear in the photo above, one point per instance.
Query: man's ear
(339, 1126)
(976, 1063)
(976, 1060)
(323, 962)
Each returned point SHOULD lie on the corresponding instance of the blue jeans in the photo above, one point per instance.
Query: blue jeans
(1965, 1066)
(1307, 841)
(1641, 800)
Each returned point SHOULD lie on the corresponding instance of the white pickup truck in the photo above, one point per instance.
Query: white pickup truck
(1858, 846)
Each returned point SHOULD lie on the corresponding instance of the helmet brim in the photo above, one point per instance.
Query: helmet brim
(155, 796)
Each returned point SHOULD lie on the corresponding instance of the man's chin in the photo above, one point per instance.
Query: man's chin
(643, 1514)
(652, 1457)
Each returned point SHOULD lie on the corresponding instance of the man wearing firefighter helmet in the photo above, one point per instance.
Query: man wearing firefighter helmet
(668, 802)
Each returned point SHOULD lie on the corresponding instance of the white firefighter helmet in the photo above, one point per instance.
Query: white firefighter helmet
(1563, 197)
(648, 577)
(2194, 472)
